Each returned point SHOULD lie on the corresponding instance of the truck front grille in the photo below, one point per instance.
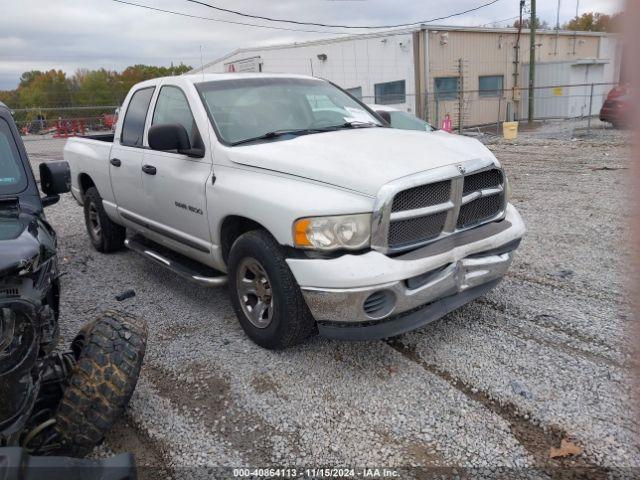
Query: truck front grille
(480, 210)
(424, 213)
(422, 196)
(478, 181)
(407, 232)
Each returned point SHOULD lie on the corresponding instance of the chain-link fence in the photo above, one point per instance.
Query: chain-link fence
(483, 108)
(65, 121)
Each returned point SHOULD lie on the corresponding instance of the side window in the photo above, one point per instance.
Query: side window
(390, 93)
(447, 88)
(133, 125)
(12, 179)
(172, 107)
(490, 85)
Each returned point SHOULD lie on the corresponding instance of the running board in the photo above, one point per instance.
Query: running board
(178, 264)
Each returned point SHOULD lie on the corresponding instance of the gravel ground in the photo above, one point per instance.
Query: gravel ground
(544, 357)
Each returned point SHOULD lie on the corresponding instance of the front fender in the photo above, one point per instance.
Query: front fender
(276, 200)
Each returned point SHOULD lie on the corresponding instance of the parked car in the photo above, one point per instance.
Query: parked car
(52, 402)
(330, 223)
(617, 108)
(403, 120)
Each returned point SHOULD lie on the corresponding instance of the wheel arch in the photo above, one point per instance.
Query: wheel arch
(232, 227)
(85, 182)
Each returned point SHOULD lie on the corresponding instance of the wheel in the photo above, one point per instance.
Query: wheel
(265, 295)
(106, 236)
(109, 355)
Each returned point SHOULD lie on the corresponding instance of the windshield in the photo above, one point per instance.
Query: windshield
(406, 121)
(12, 177)
(244, 109)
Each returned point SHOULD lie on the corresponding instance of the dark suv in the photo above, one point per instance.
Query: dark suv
(51, 402)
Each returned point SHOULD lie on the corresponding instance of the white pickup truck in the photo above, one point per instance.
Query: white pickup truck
(320, 217)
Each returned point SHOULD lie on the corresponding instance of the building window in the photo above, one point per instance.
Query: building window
(490, 85)
(447, 88)
(355, 92)
(390, 92)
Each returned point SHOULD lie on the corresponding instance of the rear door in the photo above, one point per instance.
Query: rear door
(174, 184)
(127, 153)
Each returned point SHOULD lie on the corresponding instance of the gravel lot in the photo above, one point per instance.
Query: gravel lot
(544, 357)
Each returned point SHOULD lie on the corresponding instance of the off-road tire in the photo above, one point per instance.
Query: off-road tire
(110, 351)
(112, 235)
(292, 321)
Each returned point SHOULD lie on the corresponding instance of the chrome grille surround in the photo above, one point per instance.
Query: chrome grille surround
(384, 215)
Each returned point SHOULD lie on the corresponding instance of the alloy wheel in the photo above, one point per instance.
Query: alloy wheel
(255, 293)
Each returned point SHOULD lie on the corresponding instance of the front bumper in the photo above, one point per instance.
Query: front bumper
(419, 287)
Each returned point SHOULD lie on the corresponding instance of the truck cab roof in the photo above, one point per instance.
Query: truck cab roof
(217, 77)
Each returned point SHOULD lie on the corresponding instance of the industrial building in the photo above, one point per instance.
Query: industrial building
(466, 72)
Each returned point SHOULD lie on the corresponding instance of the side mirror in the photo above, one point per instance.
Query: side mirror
(172, 137)
(55, 178)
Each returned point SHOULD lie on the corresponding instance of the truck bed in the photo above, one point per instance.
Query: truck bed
(89, 157)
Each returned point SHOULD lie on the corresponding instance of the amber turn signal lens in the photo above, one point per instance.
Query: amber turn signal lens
(300, 233)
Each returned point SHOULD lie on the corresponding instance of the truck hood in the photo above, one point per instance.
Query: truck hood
(361, 159)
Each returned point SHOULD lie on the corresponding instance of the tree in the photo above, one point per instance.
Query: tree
(526, 23)
(97, 87)
(595, 22)
(100, 88)
(44, 89)
(27, 77)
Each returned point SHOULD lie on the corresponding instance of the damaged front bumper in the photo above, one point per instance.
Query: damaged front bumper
(371, 295)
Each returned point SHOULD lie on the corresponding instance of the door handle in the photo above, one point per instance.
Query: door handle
(115, 162)
(149, 169)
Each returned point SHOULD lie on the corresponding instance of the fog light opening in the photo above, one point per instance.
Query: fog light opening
(379, 304)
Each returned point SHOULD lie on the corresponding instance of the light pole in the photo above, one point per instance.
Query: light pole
(532, 58)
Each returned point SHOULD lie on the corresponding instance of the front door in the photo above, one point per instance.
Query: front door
(174, 184)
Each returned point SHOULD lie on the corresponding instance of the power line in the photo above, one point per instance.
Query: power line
(500, 21)
(148, 7)
(258, 17)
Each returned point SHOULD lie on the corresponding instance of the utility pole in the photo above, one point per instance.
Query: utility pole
(532, 58)
(575, 33)
(460, 94)
(515, 93)
(555, 48)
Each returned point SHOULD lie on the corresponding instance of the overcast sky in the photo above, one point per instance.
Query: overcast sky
(72, 34)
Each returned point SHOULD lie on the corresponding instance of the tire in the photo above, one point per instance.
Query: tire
(105, 235)
(109, 354)
(288, 319)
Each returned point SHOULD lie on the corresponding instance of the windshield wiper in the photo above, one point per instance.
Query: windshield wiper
(351, 124)
(277, 133)
(306, 131)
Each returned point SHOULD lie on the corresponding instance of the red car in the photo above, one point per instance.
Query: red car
(617, 108)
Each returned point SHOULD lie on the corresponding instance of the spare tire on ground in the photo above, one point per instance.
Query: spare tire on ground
(109, 353)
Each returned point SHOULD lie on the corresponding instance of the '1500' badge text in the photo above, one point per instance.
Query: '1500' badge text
(189, 207)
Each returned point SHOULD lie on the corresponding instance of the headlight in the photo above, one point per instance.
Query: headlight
(350, 232)
(507, 185)
(17, 340)
(7, 331)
